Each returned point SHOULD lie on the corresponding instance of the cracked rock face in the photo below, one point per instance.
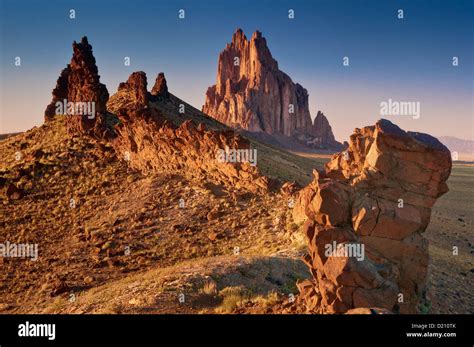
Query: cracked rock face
(371, 207)
(253, 94)
(132, 93)
(136, 87)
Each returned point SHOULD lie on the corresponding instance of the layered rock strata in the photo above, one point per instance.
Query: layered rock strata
(364, 220)
(253, 94)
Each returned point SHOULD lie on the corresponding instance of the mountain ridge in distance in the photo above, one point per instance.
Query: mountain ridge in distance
(464, 147)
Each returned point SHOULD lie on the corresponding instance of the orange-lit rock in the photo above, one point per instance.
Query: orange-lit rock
(373, 202)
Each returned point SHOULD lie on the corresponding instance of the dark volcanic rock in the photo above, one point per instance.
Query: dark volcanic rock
(132, 94)
(153, 145)
(136, 88)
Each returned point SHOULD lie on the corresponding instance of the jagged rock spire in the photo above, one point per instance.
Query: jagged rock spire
(253, 94)
(136, 86)
(160, 88)
(79, 86)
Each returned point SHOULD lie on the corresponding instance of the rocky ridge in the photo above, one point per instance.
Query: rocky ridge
(147, 185)
(142, 136)
(151, 143)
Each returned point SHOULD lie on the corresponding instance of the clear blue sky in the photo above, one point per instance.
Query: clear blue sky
(406, 60)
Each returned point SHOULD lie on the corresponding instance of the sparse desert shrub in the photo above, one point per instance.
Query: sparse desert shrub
(209, 287)
(271, 299)
(425, 307)
(233, 297)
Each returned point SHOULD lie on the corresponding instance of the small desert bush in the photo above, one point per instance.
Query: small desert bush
(233, 297)
(267, 301)
(209, 287)
(425, 307)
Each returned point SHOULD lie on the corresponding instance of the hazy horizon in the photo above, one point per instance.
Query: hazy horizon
(403, 60)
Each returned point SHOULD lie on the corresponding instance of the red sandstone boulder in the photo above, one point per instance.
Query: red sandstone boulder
(376, 197)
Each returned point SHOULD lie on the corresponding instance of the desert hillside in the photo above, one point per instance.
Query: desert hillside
(97, 222)
(133, 210)
(173, 250)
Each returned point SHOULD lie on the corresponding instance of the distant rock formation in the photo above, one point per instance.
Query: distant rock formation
(322, 130)
(461, 149)
(253, 94)
(378, 195)
(79, 83)
(319, 135)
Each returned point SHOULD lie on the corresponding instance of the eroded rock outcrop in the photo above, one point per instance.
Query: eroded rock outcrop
(365, 216)
(323, 131)
(253, 94)
(151, 143)
(134, 94)
(78, 87)
(130, 94)
(60, 92)
(160, 89)
(319, 135)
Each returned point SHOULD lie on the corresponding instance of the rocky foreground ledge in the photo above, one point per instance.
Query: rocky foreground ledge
(365, 217)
